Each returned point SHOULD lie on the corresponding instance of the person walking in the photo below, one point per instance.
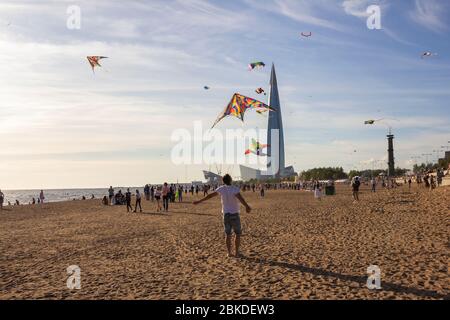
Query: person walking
(317, 191)
(230, 197)
(152, 193)
(432, 182)
(2, 198)
(41, 197)
(180, 194)
(165, 197)
(147, 192)
(373, 183)
(110, 194)
(158, 198)
(128, 200)
(138, 201)
(356, 183)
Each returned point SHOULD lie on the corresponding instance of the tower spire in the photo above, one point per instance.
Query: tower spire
(275, 150)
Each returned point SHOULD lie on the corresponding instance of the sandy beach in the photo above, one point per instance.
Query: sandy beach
(294, 247)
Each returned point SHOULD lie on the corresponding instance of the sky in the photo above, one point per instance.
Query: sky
(62, 126)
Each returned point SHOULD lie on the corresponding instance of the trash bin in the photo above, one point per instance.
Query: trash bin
(330, 190)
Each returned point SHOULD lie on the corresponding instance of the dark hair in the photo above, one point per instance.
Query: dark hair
(227, 179)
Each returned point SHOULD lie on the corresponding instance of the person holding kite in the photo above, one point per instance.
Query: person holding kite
(231, 197)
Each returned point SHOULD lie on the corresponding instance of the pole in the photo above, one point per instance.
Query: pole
(391, 159)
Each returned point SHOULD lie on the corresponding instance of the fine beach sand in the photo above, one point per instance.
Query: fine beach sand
(294, 247)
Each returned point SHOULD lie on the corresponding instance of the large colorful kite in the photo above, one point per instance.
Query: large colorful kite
(94, 61)
(256, 148)
(238, 105)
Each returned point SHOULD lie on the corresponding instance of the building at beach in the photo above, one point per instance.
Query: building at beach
(212, 178)
(275, 139)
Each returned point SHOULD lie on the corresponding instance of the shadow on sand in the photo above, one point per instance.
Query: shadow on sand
(386, 286)
(196, 214)
(148, 213)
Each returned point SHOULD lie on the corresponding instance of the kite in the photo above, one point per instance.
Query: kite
(428, 54)
(382, 121)
(260, 91)
(238, 105)
(307, 35)
(94, 61)
(378, 120)
(254, 65)
(261, 112)
(206, 87)
(256, 148)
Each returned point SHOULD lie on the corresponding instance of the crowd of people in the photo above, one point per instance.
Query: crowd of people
(162, 195)
(165, 194)
(430, 180)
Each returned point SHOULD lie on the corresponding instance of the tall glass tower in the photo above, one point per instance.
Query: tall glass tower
(275, 139)
(275, 130)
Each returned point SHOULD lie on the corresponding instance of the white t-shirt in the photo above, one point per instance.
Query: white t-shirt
(230, 204)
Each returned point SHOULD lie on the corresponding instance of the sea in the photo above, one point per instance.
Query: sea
(58, 195)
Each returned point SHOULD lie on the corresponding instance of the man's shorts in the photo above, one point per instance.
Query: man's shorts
(232, 222)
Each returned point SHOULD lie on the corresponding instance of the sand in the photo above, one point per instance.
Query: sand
(294, 247)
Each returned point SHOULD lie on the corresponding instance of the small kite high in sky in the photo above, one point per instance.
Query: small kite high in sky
(258, 64)
(428, 54)
(306, 35)
(94, 61)
(238, 105)
(260, 91)
(378, 120)
(382, 121)
(256, 148)
(206, 88)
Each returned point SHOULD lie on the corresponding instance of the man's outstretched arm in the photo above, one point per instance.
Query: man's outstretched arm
(209, 196)
(244, 203)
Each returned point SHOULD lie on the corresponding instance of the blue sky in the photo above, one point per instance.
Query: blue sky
(61, 126)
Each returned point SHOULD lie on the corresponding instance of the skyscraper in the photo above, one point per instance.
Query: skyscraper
(275, 139)
(275, 129)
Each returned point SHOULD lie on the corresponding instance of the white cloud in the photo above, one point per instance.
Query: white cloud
(431, 14)
(357, 8)
(308, 12)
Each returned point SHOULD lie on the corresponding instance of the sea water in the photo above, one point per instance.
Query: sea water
(57, 195)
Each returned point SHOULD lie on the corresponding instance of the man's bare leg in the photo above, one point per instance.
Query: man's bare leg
(228, 241)
(237, 243)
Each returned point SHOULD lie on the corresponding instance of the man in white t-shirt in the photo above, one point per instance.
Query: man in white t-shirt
(230, 209)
